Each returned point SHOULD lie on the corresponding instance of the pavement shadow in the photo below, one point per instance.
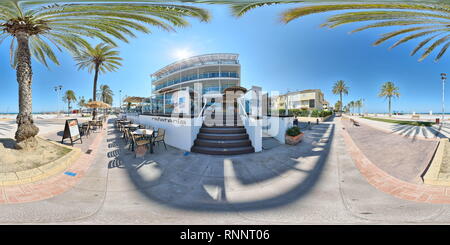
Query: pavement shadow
(199, 182)
(8, 143)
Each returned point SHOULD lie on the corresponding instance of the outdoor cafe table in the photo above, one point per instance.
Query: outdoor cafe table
(122, 123)
(94, 123)
(131, 127)
(147, 133)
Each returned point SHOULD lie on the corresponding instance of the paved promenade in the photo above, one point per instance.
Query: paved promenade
(315, 182)
(419, 132)
(402, 157)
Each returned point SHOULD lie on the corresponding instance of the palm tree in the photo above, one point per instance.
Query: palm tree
(340, 88)
(351, 106)
(429, 21)
(359, 104)
(36, 28)
(69, 97)
(81, 103)
(389, 90)
(100, 59)
(337, 106)
(106, 94)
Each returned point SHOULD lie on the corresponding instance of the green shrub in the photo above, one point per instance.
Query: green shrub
(293, 131)
(315, 113)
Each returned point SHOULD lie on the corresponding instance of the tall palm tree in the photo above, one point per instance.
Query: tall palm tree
(426, 21)
(106, 94)
(340, 88)
(389, 90)
(69, 96)
(100, 59)
(36, 28)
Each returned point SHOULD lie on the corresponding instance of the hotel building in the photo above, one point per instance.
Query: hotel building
(215, 73)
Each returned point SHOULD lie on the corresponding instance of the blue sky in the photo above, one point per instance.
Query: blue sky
(275, 56)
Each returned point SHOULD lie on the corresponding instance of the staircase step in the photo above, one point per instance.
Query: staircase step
(222, 136)
(220, 130)
(223, 151)
(222, 143)
(217, 126)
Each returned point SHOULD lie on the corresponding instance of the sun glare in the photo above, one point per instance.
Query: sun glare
(182, 54)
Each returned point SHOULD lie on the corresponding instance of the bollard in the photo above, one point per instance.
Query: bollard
(295, 122)
(317, 121)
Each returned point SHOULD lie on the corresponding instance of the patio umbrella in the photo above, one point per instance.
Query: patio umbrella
(134, 99)
(97, 104)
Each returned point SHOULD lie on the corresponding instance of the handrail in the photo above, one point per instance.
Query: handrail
(242, 111)
(201, 112)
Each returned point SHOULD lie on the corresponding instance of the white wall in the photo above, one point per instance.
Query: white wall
(254, 131)
(180, 132)
(277, 126)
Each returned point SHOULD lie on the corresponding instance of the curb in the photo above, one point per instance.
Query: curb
(55, 184)
(42, 172)
(386, 183)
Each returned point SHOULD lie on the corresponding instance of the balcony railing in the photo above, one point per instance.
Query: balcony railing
(222, 62)
(194, 77)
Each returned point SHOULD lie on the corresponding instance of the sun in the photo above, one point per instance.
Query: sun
(182, 54)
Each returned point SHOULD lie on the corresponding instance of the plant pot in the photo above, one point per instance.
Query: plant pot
(293, 140)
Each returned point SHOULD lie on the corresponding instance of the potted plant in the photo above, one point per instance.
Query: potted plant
(293, 135)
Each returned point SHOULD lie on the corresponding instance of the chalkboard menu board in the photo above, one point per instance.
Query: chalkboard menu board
(72, 131)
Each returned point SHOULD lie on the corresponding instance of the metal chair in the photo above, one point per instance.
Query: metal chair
(160, 137)
(137, 141)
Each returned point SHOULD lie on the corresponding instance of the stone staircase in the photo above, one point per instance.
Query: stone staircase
(223, 136)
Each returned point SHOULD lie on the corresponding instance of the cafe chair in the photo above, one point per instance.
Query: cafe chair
(160, 137)
(137, 141)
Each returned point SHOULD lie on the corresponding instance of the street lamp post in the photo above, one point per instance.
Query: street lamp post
(443, 77)
(57, 90)
(120, 101)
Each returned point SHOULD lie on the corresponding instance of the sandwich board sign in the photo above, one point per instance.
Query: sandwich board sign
(71, 131)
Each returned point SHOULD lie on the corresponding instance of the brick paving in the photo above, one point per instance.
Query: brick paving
(392, 185)
(402, 157)
(54, 185)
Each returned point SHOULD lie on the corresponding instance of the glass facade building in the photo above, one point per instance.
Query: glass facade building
(213, 73)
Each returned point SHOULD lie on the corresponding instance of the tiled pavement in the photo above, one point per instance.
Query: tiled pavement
(394, 186)
(56, 184)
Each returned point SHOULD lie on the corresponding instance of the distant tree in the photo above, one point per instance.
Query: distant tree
(389, 91)
(106, 94)
(69, 97)
(337, 106)
(81, 103)
(359, 104)
(340, 88)
(351, 106)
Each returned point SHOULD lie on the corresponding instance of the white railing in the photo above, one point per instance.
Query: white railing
(241, 110)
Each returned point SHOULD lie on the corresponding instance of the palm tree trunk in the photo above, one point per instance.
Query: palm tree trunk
(389, 106)
(26, 130)
(340, 109)
(94, 94)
